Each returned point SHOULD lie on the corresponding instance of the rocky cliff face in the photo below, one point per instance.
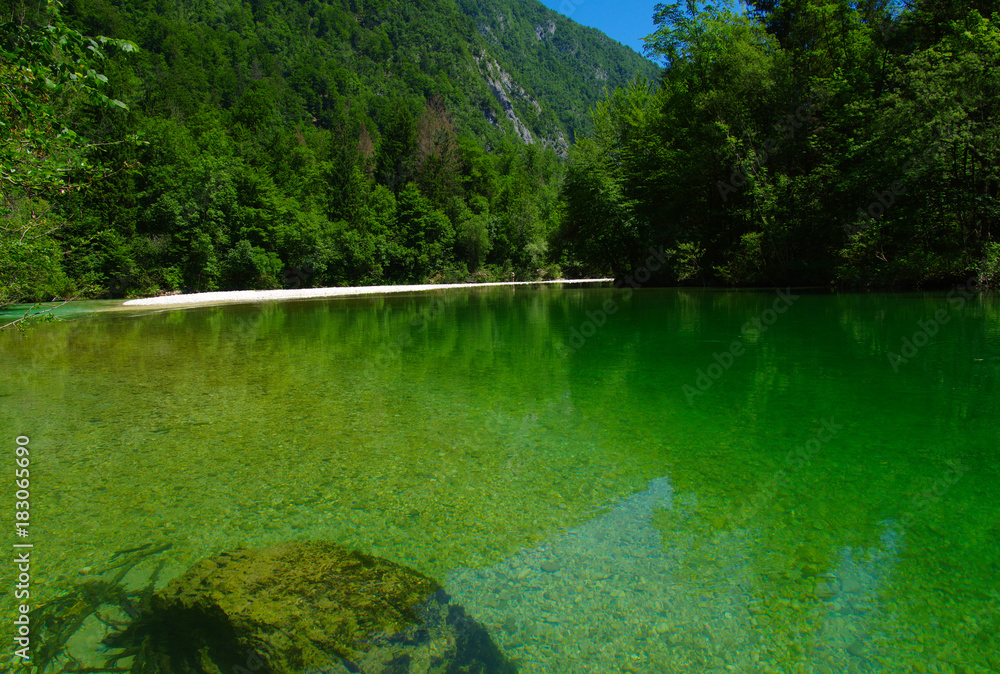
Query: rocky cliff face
(507, 91)
(500, 84)
(545, 71)
(546, 31)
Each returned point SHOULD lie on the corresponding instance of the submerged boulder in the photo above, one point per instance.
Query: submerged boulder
(307, 607)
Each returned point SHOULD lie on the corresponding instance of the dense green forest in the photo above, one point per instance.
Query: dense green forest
(802, 142)
(232, 144)
(259, 144)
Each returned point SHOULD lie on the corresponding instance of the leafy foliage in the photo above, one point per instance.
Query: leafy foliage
(286, 143)
(48, 70)
(48, 75)
(814, 141)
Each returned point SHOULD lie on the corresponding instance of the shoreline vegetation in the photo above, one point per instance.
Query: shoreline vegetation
(258, 146)
(154, 150)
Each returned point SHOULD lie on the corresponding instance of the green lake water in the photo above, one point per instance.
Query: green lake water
(609, 481)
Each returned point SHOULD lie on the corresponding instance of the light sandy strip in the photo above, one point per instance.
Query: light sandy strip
(305, 293)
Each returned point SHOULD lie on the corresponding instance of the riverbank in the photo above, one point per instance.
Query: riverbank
(194, 299)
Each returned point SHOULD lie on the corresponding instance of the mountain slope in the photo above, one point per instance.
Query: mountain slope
(314, 142)
(512, 65)
(563, 64)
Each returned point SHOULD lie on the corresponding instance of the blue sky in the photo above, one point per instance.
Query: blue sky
(627, 21)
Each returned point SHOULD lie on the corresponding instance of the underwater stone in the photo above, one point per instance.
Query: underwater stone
(308, 607)
(851, 586)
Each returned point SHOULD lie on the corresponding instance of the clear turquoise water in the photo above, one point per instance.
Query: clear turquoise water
(808, 505)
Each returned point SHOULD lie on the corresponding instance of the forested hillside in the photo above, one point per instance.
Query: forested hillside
(804, 142)
(280, 143)
(286, 143)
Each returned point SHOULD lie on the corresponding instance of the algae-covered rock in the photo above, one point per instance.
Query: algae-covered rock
(310, 607)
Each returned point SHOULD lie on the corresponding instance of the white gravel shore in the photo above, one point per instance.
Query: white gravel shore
(305, 293)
